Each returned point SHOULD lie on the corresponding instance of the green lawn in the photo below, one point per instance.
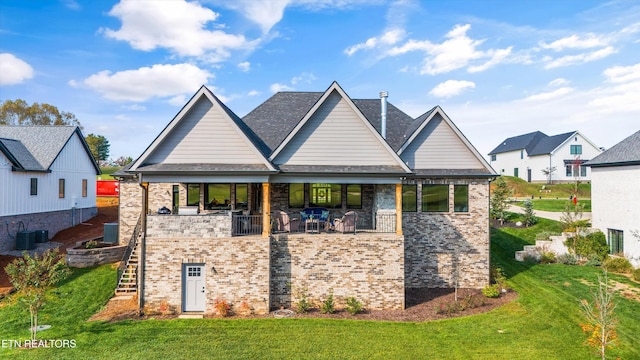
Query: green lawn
(542, 324)
(555, 205)
(107, 171)
(523, 189)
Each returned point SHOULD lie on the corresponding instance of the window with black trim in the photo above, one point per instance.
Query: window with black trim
(325, 195)
(461, 198)
(354, 196)
(61, 188)
(218, 196)
(34, 186)
(193, 194)
(493, 157)
(576, 149)
(242, 198)
(296, 195)
(409, 198)
(616, 241)
(84, 187)
(435, 198)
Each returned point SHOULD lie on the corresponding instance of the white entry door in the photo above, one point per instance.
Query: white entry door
(193, 289)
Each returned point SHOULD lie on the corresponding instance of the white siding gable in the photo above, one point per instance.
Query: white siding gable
(335, 135)
(438, 146)
(205, 134)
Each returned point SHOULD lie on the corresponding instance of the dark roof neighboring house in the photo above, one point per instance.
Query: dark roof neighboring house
(535, 143)
(626, 152)
(35, 148)
(275, 118)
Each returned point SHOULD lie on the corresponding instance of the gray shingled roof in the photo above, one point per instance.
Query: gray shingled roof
(547, 144)
(626, 152)
(44, 143)
(201, 168)
(19, 155)
(535, 143)
(378, 169)
(275, 118)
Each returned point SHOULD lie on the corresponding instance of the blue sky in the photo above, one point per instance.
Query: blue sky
(497, 68)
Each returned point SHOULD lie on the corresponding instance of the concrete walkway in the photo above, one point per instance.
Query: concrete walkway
(545, 214)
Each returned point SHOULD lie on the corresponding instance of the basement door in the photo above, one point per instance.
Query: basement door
(193, 289)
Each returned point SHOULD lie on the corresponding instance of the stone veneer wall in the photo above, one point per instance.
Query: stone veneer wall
(369, 266)
(52, 221)
(188, 226)
(129, 208)
(433, 242)
(236, 269)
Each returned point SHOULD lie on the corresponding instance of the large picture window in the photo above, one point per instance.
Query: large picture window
(354, 196)
(218, 196)
(242, 198)
(193, 194)
(435, 198)
(325, 195)
(296, 195)
(409, 198)
(461, 198)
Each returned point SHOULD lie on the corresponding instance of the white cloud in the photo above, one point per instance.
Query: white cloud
(147, 82)
(71, 4)
(586, 41)
(618, 74)
(579, 58)
(550, 95)
(276, 87)
(305, 77)
(558, 82)
(451, 88)
(390, 37)
(497, 56)
(179, 26)
(244, 66)
(14, 70)
(253, 93)
(264, 13)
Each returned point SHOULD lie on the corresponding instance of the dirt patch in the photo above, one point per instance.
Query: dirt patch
(93, 228)
(117, 309)
(625, 290)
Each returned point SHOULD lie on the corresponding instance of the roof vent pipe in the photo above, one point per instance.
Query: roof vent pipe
(383, 113)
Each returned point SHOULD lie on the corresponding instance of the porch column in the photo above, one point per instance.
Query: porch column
(266, 209)
(398, 209)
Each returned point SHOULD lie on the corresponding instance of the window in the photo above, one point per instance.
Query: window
(61, 188)
(493, 157)
(521, 154)
(218, 196)
(242, 198)
(515, 172)
(435, 198)
(296, 195)
(354, 196)
(576, 149)
(583, 170)
(569, 170)
(34, 186)
(326, 195)
(461, 198)
(193, 194)
(410, 198)
(616, 241)
(84, 187)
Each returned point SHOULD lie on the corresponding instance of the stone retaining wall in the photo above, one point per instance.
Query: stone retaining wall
(82, 258)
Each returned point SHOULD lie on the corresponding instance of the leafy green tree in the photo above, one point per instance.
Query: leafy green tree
(33, 276)
(19, 112)
(122, 161)
(498, 202)
(99, 146)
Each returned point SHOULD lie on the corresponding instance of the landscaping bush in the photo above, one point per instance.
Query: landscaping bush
(353, 305)
(618, 265)
(491, 291)
(304, 305)
(636, 274)
(328, 306)
(592, 246)
(547, 257)
(223, 308)
(567, 259)
(545, 235)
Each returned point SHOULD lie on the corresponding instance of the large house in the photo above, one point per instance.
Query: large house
(47, 180)
(531, 157)
(398, 202)
(615, 196)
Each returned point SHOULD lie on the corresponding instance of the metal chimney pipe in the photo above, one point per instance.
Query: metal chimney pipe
(383, 113)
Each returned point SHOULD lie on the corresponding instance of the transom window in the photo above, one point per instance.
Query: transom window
(435, 198)
(194, 271)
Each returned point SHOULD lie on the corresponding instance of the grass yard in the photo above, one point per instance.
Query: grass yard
(555, 205)
(542, 324)
(523, 189)
(107, 171)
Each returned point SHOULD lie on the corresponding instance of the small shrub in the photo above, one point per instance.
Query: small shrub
(491, 291)
(529, 218)
(244, 309)
(617, 265)
(545, 235)
(567, 259)
(497, 277)
(223, 308)
(547, 257)
(530, 259)
(636, 274)
(165, 308)
(328, 306)
(593, 261)
(303, 305)
(590, 246)
(91, 244)
(353, 305)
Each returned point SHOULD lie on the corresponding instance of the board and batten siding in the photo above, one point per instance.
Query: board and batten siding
(205, 135)
(72, 164)
(438, 147)
(335, 135)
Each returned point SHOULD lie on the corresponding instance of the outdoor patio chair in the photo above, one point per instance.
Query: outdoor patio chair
(347, 223)
(283, 222)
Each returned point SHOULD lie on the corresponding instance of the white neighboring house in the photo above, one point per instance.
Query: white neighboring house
(526, 156)
(615, 196)
(47, 180)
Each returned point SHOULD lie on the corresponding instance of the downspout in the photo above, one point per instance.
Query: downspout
(143, 228)
(383, 113)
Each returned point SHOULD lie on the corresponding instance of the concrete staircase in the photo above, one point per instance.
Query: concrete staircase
(555, 244)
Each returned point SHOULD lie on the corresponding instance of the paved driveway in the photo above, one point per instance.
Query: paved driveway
(545, 214)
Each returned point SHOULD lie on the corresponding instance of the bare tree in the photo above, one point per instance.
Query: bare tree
(548, 172)
(601, 322)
